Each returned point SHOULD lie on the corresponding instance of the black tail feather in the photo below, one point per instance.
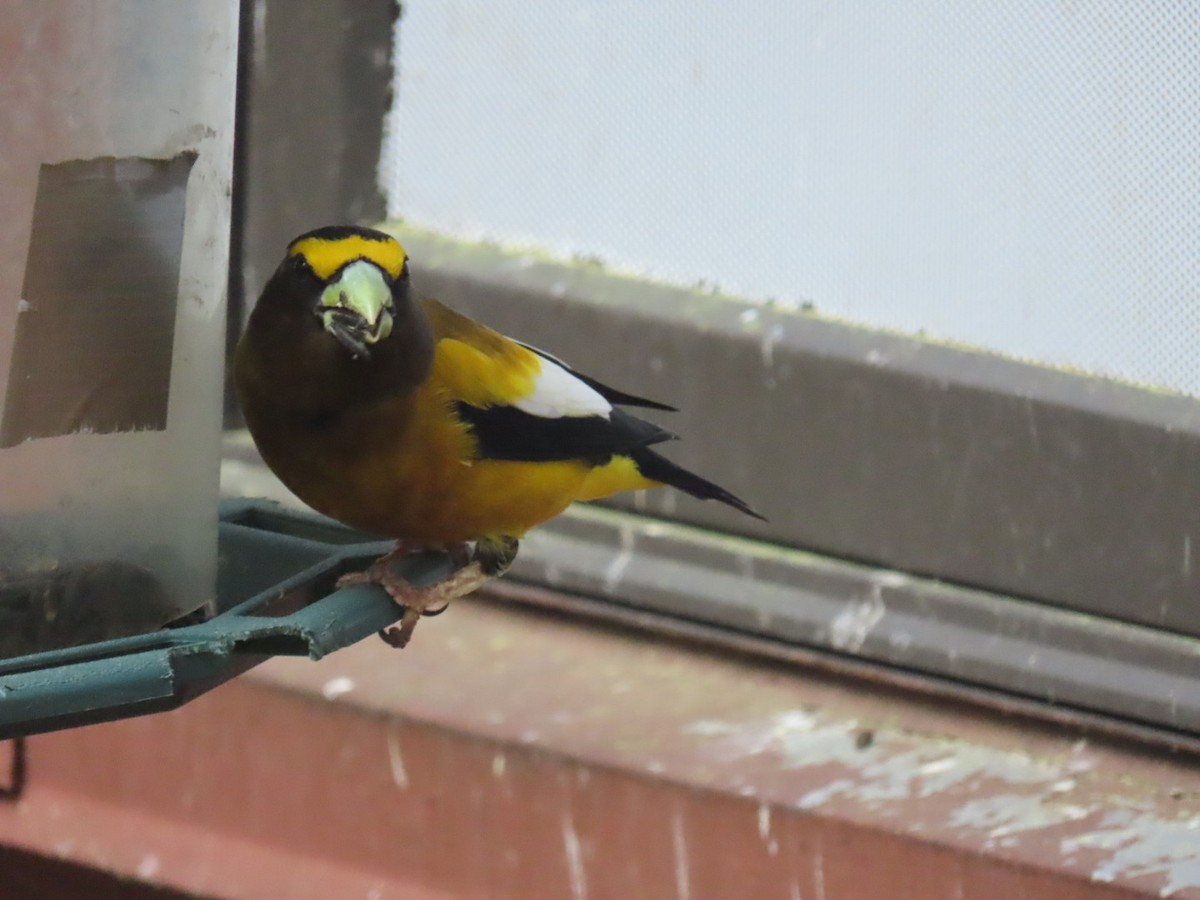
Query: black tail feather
(658, 468)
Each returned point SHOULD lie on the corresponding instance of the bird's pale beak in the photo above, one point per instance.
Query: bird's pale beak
(356, 308)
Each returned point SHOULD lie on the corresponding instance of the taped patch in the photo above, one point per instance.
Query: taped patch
(95, 326)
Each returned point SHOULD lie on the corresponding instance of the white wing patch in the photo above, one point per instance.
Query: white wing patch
(558, 393)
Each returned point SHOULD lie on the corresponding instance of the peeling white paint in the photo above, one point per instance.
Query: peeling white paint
(574, 852)
(900, 640)
(682, 865)
(881, 772)
(1080, 762)
(911, 773)
(764, 821)
(853, 625)
(1002, 815)
(820, 796)
(336, 687)
(149, 866)
(886, 772)
(1145, 845)
(772, 336)
(935, 766)
(395, 760)
(819, 871)
(616, 569)
(794, 734)
(1001, 798)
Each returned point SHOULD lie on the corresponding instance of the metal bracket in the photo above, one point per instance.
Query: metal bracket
(286, 563)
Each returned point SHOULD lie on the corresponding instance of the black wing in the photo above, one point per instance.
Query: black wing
(505, 432)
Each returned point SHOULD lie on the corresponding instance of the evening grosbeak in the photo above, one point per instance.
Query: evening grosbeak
(399, 416)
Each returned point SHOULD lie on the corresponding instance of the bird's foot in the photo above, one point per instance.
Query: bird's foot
(491, 559)
(431, 600)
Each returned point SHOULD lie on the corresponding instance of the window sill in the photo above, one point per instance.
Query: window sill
(510, 751)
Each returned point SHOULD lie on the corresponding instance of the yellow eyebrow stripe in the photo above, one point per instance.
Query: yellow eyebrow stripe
(325, 257)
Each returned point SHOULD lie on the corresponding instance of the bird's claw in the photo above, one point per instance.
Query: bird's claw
(434, 599)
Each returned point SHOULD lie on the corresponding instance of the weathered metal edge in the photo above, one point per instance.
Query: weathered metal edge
(1069, 660)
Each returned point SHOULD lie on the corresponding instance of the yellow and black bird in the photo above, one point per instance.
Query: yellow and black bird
(399, 416)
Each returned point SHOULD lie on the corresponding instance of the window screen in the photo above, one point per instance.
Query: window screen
(1020, 177)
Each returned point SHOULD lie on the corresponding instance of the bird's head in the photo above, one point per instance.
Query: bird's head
(358, 278)
(335, 326)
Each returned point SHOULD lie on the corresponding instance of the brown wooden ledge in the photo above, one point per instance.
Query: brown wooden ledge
(512, 752)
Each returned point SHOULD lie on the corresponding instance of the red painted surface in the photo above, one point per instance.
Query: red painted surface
(265, 789)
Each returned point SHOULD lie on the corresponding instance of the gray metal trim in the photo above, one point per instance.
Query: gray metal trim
(1088, 663)
(868, 446)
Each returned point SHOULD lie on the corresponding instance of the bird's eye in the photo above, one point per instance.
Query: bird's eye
(300, 263)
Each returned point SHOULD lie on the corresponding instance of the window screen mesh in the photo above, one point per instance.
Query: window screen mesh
(1018, 176)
